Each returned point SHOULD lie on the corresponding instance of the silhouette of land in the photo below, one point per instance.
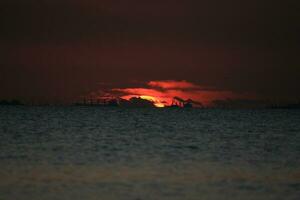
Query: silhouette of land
(117, 102)
(285, 106)
(239, 104)
(177, 102)
(137, 102)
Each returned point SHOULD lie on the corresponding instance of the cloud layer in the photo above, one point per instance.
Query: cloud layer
(170, 84)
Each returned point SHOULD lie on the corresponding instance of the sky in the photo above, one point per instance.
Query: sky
(60, 50)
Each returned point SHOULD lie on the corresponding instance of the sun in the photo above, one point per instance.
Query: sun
(159, 105)
(155, 101)
(149, 98)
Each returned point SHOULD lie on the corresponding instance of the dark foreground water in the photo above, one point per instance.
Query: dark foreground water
(49, 153)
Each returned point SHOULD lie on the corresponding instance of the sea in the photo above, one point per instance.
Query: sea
(106, 153)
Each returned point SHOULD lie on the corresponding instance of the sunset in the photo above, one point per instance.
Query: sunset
(149, 100)
(162, 93)
(156, 101)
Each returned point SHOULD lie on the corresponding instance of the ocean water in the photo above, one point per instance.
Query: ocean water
(62, 153)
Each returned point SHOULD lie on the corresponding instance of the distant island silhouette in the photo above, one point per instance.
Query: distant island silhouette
(177, 102)
(138, 102)
(287, 106)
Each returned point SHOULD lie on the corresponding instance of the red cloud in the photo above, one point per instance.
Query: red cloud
(171, 84)
(162, 92)
(140, 91)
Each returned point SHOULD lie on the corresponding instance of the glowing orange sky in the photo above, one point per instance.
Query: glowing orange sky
(162, 92)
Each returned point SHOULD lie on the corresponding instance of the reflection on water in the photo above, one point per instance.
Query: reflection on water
(95, 153)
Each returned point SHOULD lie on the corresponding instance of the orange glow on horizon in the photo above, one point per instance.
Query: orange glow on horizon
(159, 105)
(149, 98)
(170, 84)
(162, 93)
(155, 101)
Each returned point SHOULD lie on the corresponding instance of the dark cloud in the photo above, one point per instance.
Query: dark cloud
(61, 49)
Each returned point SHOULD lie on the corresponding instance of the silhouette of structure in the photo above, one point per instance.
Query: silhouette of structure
(140, 103)
(136, 102)
(116, 102)
(179, 102)
(113, 102)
